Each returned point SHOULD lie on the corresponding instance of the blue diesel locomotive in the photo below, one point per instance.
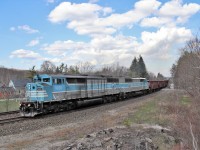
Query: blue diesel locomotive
(53, 93)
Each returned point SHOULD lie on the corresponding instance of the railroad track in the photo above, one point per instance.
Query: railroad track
(9, 112)
(11, 120)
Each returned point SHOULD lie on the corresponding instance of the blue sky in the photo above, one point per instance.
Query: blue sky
(102, 32)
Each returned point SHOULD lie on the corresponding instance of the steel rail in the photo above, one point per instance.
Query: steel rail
(11, 120)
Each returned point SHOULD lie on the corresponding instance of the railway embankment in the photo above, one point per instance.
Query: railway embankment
(147, 122)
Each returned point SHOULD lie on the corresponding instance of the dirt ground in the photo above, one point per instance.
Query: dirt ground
(112, 129)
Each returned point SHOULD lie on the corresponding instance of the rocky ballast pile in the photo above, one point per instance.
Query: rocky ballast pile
(123, 138)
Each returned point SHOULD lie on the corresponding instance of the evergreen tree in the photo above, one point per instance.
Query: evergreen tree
(134, 67)
(65, 69)
(61, 68)
(142, 68)
(32, 72)
(160, 76)
(57, 70)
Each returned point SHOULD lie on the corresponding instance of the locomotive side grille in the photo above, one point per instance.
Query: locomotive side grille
(36, 94)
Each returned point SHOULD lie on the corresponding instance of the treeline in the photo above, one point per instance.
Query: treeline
(9, 74)
(186, 76)
(186, 71)
(136, 69)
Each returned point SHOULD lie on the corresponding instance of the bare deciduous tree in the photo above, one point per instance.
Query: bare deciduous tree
(85, 67)
(48, 67)
(8, 74)
(114, 70)
(186, 74)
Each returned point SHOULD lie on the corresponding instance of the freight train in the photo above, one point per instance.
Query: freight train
(54, 93)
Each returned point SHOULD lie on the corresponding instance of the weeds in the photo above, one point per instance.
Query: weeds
(185, 100)
(149, 113)
(127, 122)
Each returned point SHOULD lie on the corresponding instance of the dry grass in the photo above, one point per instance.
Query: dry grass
(184, 115)
(175, 110)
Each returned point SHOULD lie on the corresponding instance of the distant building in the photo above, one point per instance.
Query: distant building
(2, 85)
(19, 86)
(6, 92)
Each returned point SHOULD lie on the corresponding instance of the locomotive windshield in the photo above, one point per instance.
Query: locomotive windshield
(37, 80)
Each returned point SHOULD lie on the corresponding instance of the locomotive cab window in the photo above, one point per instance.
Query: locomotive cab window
(46, 79)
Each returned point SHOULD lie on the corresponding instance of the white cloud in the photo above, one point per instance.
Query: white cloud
(27, 54)
(147, 6)
(99, 51)
(98, 44)
(171, 13)
(93, 20)
(33, 42)
(163, 41)
(71, 11)
(62, 47)
(118, 42)
(157, 22)
(111, 49)
(27, 29)
(175, 8)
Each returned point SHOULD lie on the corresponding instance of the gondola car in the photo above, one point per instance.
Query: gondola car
(155, 85)
(52, 93)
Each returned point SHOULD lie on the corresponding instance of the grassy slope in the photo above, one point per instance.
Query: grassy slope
(10, 105)
(159, 110)
(170, 109)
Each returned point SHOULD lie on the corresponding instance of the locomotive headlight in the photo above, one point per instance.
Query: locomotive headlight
(29, 105)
